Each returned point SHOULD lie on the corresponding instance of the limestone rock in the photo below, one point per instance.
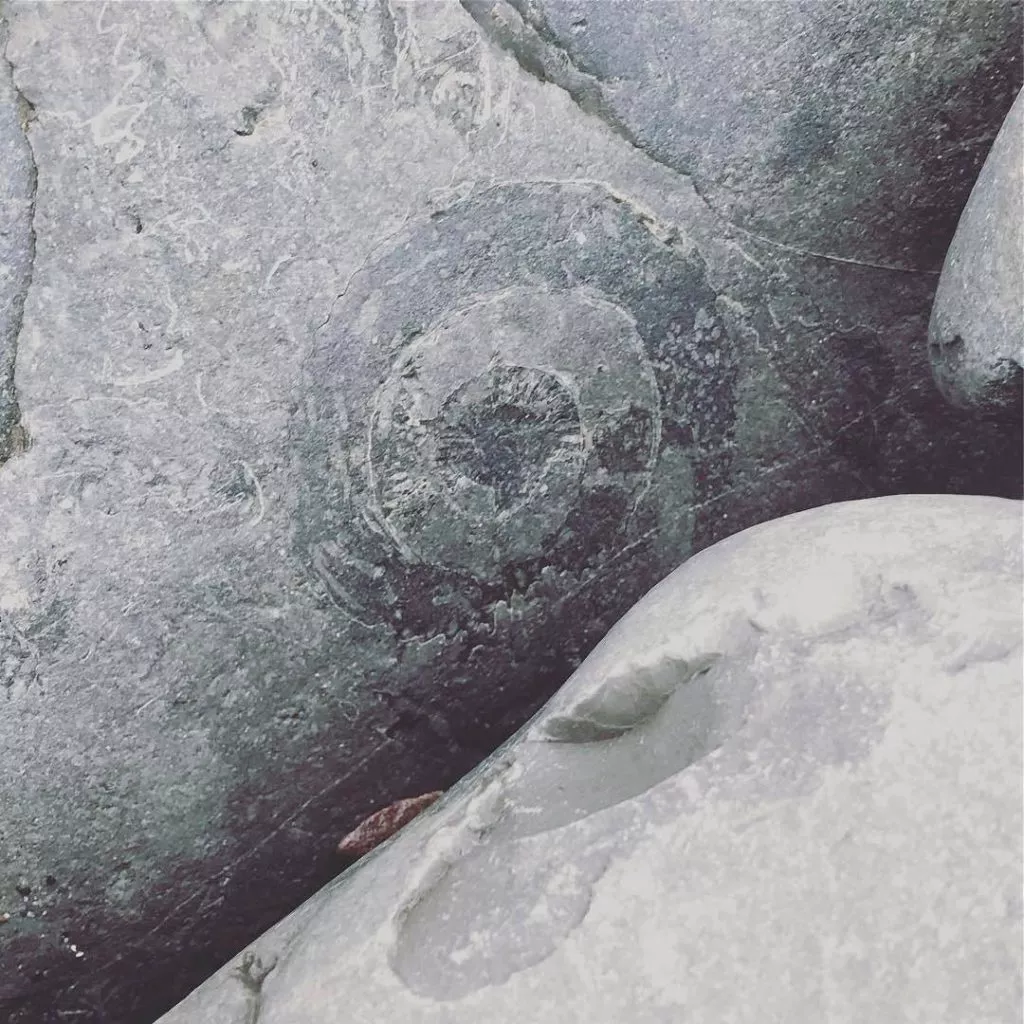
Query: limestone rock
(369, 378)
(786, 786)
(976, 334)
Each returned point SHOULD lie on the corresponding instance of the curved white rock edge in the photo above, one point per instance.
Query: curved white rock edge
(786, 785)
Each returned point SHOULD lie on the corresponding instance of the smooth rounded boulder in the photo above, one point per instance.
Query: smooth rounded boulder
(786, 785)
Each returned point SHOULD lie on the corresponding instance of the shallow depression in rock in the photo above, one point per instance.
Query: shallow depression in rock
(640, 725)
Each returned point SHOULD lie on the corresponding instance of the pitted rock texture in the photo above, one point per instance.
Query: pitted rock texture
(17, 194)
(809, 808)
(369, 379)
(976, 334)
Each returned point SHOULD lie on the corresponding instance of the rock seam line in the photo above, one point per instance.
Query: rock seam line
(536, 50)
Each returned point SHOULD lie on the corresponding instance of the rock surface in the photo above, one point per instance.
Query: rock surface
(17, 188)
(369, 378)
(786, 786)
(842, 133)
(976, 334)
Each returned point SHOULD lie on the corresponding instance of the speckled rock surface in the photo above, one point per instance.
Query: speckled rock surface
(368, 379)
(17, 188)
(786, 786)
(976, 334)
(855, 132)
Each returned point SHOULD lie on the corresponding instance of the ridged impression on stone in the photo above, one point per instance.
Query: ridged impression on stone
(453, 933)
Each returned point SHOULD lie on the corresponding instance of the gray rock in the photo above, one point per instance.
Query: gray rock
(853, 134)
(976, 334)
(17, 182)
(369, 380)
(786, 786)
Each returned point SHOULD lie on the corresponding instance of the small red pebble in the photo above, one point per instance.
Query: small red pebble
(383, 824)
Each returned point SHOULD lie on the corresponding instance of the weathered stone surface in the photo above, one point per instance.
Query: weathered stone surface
(383, 824)
(855, 132)
(976, 334)
(17, 187)
(786, 786)
(369, 380)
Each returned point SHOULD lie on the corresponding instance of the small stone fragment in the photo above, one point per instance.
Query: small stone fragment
(383, 824)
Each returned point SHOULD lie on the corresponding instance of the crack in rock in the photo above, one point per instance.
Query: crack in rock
(251, 972)
(519, 28)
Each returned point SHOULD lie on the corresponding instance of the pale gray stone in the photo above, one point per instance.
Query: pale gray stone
(786, 786)
(976, 334)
